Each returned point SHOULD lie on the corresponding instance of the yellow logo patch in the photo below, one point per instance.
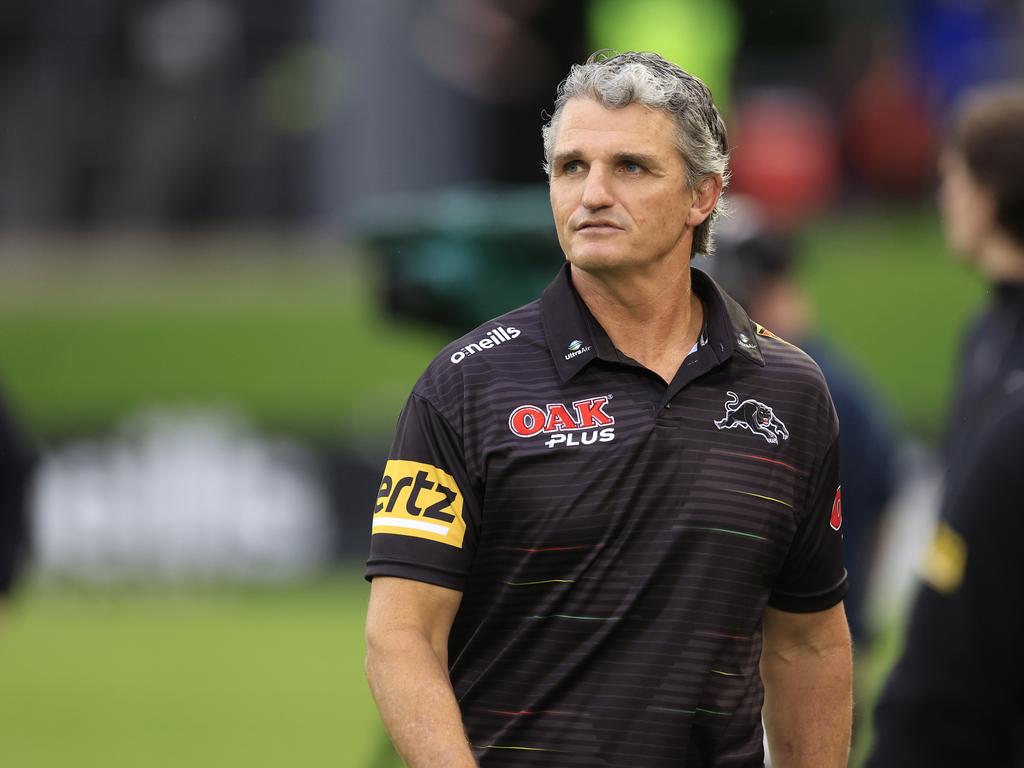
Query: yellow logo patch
(419, 500)
(944, 562)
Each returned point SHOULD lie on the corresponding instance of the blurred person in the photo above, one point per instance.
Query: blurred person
(757, 267)
(956, 695)
(610, 514)
(16, 464)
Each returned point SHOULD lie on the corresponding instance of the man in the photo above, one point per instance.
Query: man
(956, 697)
(599, 505)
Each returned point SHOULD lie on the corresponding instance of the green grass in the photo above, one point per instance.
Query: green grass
(887, 291)
(218, 677)
(289, 332)
(295, 344)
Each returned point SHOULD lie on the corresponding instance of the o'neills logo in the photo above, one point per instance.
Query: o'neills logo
(585, 423)
(494, 337)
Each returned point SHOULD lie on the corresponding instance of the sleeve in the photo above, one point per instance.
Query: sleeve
(813, 577)
(426, 517)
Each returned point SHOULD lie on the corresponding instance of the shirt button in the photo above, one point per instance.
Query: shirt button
(668, 405)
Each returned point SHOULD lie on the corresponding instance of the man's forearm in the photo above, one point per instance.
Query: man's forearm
(416, 702)
(808, 705)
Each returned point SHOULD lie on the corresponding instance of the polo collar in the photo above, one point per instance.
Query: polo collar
(575, 338)
(730, 329)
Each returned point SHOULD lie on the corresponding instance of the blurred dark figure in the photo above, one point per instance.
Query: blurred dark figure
(756, 267)
(17, 460)
(956, 697)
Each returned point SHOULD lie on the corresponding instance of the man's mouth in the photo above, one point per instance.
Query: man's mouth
(598, 226)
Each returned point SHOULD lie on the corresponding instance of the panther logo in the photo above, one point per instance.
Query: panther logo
(755, 416)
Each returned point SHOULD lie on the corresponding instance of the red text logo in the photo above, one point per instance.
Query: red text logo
(531, 420)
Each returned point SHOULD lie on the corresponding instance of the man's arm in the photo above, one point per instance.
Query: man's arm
(407, 628)
(807, 668)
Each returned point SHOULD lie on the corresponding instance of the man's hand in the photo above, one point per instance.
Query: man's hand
(407, 628)
(807, 668)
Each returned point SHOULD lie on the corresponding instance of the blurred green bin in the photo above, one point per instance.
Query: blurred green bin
(459, 257)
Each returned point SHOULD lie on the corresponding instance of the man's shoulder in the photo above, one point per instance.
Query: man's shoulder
(484, 341)
(784, 358)
(501, 347)
(791, 368)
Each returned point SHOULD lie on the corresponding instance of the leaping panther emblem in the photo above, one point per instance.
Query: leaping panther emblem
(755, 416)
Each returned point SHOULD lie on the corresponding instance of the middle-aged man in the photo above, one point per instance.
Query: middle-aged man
(956, 697)
(610, 514)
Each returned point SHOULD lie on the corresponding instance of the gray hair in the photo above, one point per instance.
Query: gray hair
(648, 79)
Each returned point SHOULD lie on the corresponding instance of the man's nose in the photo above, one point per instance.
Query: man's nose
(597, 189)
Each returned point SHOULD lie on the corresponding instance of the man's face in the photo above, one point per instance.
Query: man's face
(618, 187)
(968, 209)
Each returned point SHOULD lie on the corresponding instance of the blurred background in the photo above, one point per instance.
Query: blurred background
(232, 235)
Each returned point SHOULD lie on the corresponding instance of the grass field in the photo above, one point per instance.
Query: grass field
(889, 294)
(216, 677)
(288, 331)
(285, 332)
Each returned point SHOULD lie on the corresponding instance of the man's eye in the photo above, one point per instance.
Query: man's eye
(632, 167)
(572, 166)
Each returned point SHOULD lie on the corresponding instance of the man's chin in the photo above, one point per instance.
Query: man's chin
(598, 259)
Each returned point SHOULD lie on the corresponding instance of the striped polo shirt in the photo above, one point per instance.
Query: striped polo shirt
(616, 538)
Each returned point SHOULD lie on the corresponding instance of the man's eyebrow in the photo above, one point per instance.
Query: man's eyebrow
(561, 158)
(648, 161)
(640, 158)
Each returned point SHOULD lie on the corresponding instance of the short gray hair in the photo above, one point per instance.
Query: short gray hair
(616, 81)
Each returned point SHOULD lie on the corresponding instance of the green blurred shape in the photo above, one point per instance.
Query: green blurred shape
(156, 678)
(699, 36)
(887, 291)
(296, 345)
(459, 257)
(301, 344)
(300, 91)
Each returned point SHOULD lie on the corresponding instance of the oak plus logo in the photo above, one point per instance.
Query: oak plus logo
(585, 422)
(494, 337)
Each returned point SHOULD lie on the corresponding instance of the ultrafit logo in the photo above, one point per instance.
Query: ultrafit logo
(494, 337)
(585, 423)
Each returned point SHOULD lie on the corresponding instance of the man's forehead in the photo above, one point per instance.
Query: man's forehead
(585, 122)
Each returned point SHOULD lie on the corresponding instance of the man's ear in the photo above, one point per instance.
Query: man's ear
(704, 199)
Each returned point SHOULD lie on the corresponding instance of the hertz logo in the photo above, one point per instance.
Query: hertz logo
(419, 500)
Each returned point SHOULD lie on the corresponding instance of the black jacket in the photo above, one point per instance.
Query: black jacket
(956, 697)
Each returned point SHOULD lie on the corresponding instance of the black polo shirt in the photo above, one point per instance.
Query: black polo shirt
(616, 539)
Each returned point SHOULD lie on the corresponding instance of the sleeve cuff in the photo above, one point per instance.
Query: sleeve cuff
(810, 603)
(415, 572)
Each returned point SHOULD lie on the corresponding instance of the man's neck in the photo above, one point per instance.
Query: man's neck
(652, 316)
